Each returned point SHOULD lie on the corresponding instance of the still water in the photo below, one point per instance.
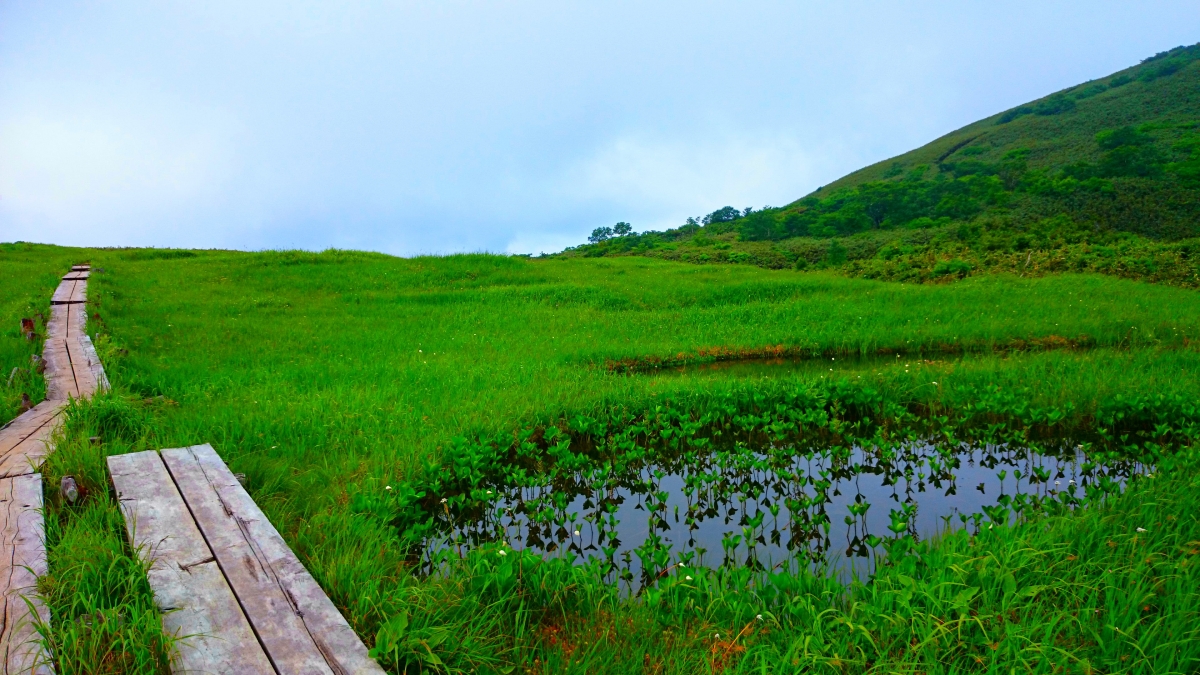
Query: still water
(775, 508)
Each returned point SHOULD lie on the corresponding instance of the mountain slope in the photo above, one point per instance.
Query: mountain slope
(1056, 140)
(1104, 176)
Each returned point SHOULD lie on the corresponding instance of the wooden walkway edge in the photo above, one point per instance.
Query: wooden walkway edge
(22, 537)
(223, 576)
(72, 371)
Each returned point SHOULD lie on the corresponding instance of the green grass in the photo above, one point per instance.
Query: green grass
(28, 277)
(338, 361)
(103, 616)
(324, 377)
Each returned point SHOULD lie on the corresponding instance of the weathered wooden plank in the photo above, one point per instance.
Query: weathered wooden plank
(93, 362)
(278, 623)
(23, 443)
(79, 292)
(23, 539)
(76, 323)
(60, 376)
(27, 457)
(77, 330)
(188, 586)
(298, 625)
(56, 326)
(70, 292)
(62, 294)
(85, 377)
(73, 368)
(27, 424)
(76, 276)
(80, 268)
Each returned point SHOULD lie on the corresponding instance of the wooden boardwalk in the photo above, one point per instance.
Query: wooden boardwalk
(226, 581)
(223, 575)
(72, 371)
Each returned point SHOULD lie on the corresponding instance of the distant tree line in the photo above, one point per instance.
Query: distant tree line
(605, 233)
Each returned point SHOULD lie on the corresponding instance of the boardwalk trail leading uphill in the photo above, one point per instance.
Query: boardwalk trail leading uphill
(72, 371)
(227, 583)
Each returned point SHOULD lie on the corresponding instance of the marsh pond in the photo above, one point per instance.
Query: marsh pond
(833, 509)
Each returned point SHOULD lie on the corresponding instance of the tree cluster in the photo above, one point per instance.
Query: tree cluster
(600, 234)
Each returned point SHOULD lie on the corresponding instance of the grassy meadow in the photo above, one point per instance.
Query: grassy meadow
(353, 389)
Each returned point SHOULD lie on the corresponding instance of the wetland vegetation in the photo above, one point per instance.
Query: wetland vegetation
(356, 391)
(617, 461)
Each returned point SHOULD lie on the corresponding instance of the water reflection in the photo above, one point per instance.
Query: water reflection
(775, 508)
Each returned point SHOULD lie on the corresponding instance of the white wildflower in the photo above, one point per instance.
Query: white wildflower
(387, 487)
(502, 553)
(759, 617)
(576, 533)
(1141, 529)
(687, 578)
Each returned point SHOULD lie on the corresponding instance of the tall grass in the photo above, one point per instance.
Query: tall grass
(103, 616)
(321, 376)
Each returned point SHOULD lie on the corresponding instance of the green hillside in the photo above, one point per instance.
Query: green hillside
(1104, 176)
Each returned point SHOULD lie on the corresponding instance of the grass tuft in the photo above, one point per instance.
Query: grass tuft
(103, 616)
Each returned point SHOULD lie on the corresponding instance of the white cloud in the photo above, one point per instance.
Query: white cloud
(71, 173)
(667, 179)
(541, 242)
(470, 125)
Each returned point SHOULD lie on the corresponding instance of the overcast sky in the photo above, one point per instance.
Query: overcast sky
(519, 126)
